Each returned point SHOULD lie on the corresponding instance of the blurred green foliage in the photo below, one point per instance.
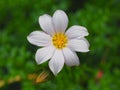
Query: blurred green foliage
(101, 17)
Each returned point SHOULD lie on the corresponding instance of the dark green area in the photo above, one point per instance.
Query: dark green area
(18, 18)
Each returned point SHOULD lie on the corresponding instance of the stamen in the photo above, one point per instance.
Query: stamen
(59, 40)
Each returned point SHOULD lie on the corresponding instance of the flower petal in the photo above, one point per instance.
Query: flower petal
(71, 59)
(60, 21)
(57, 62)
(44, 54)
(39, 38)
(45, 22)
(76, 32)
(80, 45)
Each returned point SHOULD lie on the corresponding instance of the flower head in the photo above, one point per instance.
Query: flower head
(57, 44)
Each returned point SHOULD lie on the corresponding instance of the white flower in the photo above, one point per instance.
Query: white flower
(57, 44)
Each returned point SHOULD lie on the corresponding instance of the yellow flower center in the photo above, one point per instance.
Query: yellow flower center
(59, 40)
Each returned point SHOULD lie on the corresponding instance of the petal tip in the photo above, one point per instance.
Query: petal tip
(55, 74)
(88, 50)
(28, 38)
(87, 33)
(36, 59)
(59, 10)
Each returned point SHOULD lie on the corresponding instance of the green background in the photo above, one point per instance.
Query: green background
(18, 18)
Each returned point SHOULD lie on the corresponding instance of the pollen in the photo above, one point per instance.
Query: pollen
(59, 40)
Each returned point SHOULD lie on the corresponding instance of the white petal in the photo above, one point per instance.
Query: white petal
(71, 59)
(44, 54)
(76, 32)
(39, 38)
(60, 21)
(45, 22)
(57, 62)
(80, 45)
